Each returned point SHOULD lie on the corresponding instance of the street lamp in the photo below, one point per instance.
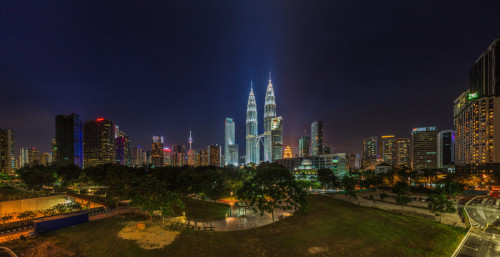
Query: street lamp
(231, 195)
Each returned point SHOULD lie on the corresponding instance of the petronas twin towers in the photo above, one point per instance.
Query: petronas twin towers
(273, 134)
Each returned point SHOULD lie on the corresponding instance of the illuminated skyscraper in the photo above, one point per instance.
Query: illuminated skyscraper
(33, 156)
(7, 151)
(214, 155)
(317, 138)
(477, 116)
(276, 138)
(99, 145)
(252, 137)
(230, 147)
(23, 157)
(157, 151)
(288, 153)
(304, 146)
(46, 159)
(204, 160)
(388, 149)
(402, 152)
(69, 140)
(269, 114)
(424, 148)
(167, 157)
(369, 151)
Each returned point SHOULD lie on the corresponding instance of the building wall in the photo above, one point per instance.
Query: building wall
(99, 144)
(69, 140)
(424, 148)
(7, 151)
(317, 138)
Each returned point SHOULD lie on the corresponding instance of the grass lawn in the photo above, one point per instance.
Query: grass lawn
(203, 210)
(330, 228)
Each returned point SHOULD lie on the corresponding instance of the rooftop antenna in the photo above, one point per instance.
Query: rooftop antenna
(190, 140)
(269, 76)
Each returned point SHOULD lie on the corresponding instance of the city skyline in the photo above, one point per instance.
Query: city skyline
(418, 70)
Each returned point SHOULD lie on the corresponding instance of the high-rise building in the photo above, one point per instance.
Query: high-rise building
(477, 116)
(276, 138)
(485, 74)
(402, 153)
(68, 148)
(214, 155)
(46, 159)
(288, 153)
(369, 151)
(99, 145)
(138, 157)
(204, 160)
(33, 156)
(123, 153)
(23, 157)
(388, 149)
(304, 146)
(167, 157)
(252, 137)
(7, 151)
(157, 151)
(424, 148)
(445, 149)
(269, 114)
(179, 155)
(317, 138)
(230, 147)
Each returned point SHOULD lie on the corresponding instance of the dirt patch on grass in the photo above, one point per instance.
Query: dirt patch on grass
(151, 237)
(317, 249)
(46, 249)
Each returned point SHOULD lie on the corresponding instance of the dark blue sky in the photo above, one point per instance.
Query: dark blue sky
(166, 67)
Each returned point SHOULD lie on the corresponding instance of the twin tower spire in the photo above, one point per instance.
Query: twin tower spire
(253, 138)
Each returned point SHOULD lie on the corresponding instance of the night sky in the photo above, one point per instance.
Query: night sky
(166, 67)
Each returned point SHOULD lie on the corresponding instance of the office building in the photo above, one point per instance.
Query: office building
(99, 145)
(370, 151)
(214, 154)
(317, 138)
(252, 137)
(46, 159)
(276, 138)
(23, 157)
(402, 153)
(157, 151)
(424, 148)
(388, 149)
(354, 160)
(7, 151)
(167, 157)
(445, 149)
(230, 146)
(33, 156)
(179, 155)
(69, 140)
(203, 160)
(138, 157)
(477, 116)
(269, 115)
(304, 146)
(123, 153)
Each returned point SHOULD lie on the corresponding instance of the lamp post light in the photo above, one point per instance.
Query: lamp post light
(231, 195)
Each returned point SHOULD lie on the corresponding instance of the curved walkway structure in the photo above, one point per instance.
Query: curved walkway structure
(7, 251)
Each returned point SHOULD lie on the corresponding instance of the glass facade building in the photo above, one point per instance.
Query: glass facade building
(68, 148)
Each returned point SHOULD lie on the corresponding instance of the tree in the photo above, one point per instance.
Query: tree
(271, 187)
(37, 176)
(383, 196)
(69, 174)
(328, 179)
(153, 196)
(349, 184)
(439, 204)
(452, 188)
(401, 189)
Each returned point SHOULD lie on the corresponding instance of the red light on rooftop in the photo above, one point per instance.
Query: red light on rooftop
(100, 119)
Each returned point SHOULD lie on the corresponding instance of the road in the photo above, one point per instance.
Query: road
(484, 238)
